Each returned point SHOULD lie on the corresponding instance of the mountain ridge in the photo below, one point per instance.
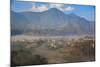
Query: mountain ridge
(55, 21)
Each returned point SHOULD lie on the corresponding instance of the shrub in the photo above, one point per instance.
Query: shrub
(20, 58)
(86, 47)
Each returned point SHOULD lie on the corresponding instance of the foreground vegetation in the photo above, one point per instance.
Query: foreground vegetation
(48, 51)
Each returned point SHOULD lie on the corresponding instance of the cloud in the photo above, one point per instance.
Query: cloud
(69, 8)
(61, 7)
(56, 5)
(40, 8)
(34, 8)
(43, 7)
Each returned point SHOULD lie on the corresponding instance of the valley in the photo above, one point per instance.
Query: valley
(52, 49)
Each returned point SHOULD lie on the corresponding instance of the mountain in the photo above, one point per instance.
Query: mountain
(51, 22)
(18, 23)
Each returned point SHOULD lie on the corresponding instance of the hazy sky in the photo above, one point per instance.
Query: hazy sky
(88, 12)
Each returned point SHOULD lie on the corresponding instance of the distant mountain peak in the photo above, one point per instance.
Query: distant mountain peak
(73, 15)
(54, 10)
